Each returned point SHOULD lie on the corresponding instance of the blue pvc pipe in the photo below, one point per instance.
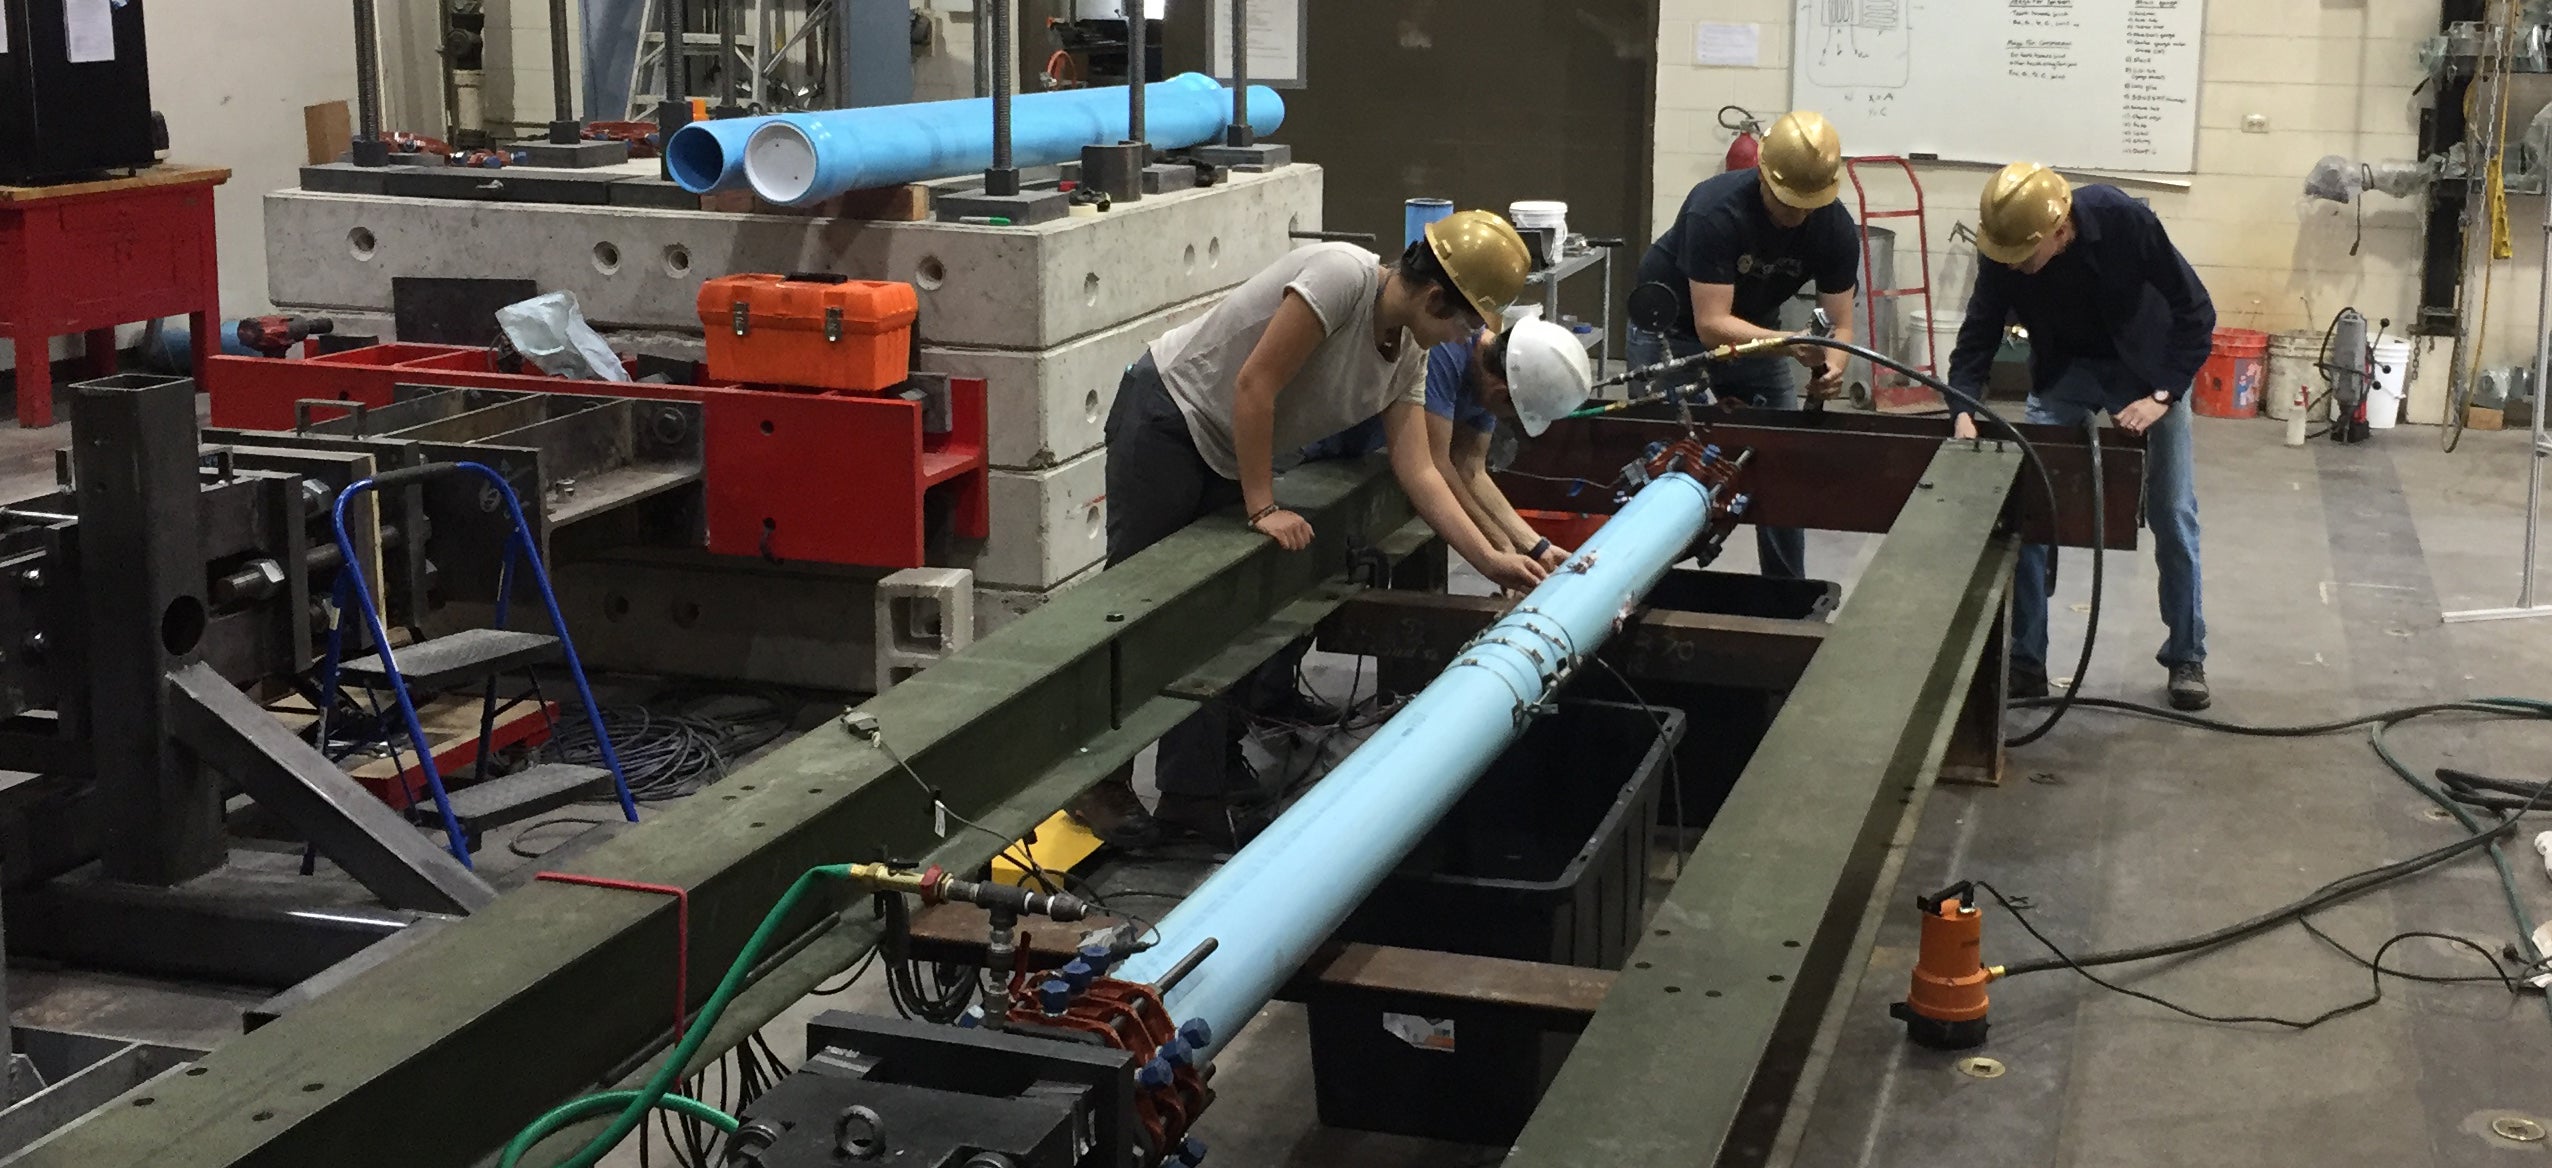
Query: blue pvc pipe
(707, 157)
(801, 158)
(1287, 891)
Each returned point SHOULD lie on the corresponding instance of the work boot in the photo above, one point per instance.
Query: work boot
(2027, 681)
(1113, 813)
(1221, 821)
(2188, 687)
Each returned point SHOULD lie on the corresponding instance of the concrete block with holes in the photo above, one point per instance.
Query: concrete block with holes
(1047, 525)
(923, 614)
(1048, 406)
(1028, 288)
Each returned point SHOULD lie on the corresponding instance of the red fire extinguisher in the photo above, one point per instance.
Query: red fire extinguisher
(1749, 130)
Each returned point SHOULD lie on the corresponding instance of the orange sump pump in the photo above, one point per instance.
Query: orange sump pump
(1945, 1006)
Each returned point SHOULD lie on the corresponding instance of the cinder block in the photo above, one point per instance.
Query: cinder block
(1047, 525)
(923, 614)
(1049, 406)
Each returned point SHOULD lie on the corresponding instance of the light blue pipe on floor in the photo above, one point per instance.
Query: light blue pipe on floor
(801, 158)
(1285, 893)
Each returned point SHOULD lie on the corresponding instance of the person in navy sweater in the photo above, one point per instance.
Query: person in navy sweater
(2119, 325)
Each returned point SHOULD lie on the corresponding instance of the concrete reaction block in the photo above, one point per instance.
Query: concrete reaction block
(1047, 524)
(923, 614)
(993, 287)
(1049, 406)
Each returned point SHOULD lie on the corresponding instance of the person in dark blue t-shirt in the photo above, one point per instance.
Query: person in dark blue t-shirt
(1745, 243)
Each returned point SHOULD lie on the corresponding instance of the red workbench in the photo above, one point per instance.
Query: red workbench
(86, 257)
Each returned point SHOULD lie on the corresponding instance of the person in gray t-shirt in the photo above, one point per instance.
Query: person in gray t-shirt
(1322, 339)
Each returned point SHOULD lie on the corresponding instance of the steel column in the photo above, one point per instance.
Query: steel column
(133, 446)
(1753, 935)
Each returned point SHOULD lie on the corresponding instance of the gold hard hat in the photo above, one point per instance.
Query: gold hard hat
(2023, 203)
(1802, 160)
(1485, 257)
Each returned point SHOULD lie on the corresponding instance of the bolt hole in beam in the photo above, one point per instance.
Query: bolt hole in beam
(607, 257)
(361, 244)
(182, 625)
(677, 259)
(930, 273)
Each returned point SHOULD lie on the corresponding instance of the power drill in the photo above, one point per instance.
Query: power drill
(275, 336)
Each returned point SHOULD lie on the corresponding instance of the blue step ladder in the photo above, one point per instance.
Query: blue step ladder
(462, 659)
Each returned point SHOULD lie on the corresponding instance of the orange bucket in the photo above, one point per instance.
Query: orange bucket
(1569, 529)
(2229, 384)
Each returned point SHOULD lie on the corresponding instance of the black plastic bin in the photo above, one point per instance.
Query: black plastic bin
(1723, 724)
(1547, 860)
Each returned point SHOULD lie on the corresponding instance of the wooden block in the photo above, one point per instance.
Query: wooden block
(909, 203)
(2481, 418)
(327, 131)
(166, 174)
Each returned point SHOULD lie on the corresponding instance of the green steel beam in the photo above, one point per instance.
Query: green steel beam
(439, 1056)
(1751, 940)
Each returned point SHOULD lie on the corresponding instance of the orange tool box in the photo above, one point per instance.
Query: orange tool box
(806, 329)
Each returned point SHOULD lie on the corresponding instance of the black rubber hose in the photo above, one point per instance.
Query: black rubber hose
(2029, 452)
(2323, 897)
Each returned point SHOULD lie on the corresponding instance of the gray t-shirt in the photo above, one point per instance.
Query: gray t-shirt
(1344, 381)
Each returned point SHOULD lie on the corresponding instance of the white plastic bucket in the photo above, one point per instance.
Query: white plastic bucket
(2392, 379)
(1539, 213)
(1942, 325)
(2294, 362)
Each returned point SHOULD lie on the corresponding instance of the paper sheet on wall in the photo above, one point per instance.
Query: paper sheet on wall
(1727, 44)
(4, 29)
(1275, 42)
(88, 28)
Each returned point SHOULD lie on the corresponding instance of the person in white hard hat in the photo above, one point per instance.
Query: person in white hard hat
(1530, 375)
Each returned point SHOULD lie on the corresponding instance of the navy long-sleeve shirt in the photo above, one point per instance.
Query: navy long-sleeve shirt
(2120, 289)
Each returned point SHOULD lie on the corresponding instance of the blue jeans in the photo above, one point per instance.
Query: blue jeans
(2170, 512)
(1765, 382)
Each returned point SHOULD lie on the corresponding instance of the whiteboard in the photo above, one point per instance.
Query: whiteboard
(2111, 84)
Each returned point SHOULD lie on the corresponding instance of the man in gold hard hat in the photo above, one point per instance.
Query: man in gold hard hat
(1742, 247)
(1321, 340)
(2118, 324)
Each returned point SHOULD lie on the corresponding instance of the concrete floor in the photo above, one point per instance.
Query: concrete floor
(2328, 567)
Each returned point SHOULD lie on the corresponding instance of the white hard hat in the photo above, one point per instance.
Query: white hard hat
(1547, 375)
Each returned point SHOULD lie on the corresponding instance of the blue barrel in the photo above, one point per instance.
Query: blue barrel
(1420, 213)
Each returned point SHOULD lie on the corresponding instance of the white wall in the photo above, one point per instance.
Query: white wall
(232, 80)
(2330, 76)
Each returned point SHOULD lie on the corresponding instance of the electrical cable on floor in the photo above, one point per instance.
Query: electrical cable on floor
(2479, 837)
(2375, 975)
(669, 755)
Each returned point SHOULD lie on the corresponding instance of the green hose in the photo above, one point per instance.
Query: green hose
(593, 1105)
(634, 1105)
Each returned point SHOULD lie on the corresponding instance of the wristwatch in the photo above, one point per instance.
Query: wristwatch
(2163, 396)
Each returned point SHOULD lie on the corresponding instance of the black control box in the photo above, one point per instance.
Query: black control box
(75, 90)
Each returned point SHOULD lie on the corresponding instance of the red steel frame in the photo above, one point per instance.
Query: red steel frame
(830, 478)
(1889, 391)
(86, 260)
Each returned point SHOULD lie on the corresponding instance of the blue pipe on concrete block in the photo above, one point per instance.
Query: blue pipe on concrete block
(1294, 885)
(801, 158)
